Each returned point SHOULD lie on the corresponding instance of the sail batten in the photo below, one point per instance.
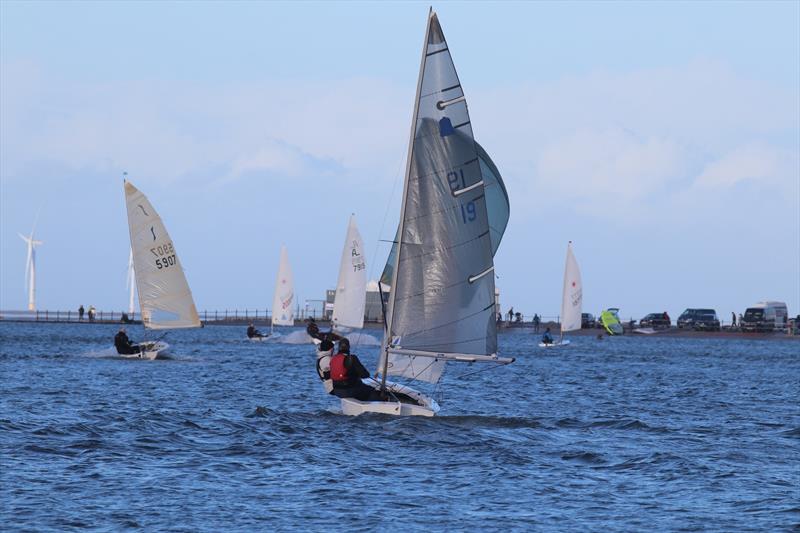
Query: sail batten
(164, 296)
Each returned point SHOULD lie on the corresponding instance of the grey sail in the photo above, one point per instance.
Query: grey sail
(497, 207)
(441, 305)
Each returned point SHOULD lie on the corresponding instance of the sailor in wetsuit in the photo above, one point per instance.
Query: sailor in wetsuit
(123, 344)
(324, 353)
(346, 373)
(252, 332)
(313, 331)
(547, 338)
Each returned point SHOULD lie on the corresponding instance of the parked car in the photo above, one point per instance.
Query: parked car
(588, 321)
(656, 320)
(765, 316)
(687, 318)
(706, 321)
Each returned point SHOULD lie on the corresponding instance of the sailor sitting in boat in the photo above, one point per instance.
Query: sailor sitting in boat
(252, 332)
(123, 344)
(346, 373)
(547, 338)
(324, 354)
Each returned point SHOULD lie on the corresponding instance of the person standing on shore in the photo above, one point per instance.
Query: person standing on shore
(80, 313)
(536, 321)
(92, 312)
(733, 319)
(510, 315)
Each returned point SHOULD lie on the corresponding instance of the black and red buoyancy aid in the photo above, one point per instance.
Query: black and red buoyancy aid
(338, 369)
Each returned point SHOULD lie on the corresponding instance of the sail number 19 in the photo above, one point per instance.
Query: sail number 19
(456, 181)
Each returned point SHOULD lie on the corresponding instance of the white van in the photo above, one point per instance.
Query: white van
(765, 316)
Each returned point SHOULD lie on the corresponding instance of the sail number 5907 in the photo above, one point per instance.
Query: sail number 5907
(166, 261)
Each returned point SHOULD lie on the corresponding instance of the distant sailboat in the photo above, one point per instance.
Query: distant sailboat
(351, 288)
(164, 296)
(571, 299)
(283, 300)
(441, 302)
(30, 267)
(611, 323)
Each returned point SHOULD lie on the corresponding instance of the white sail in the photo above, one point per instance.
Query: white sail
(283, 301)
(351, 289)
(441, 306)
(131, 285)
(164, 295)
(572, 298)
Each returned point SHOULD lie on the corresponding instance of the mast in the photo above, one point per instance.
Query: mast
(393, 292)
(145, 323)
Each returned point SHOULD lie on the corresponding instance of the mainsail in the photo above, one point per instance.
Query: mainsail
(572, 298)
(164, 295)
(351, 289)
(497, 207)
(283, 301)
(441, 305)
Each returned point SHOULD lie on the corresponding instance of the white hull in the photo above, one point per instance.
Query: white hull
(565, 342)
(151, 350)
(427, 406)
(260, 339)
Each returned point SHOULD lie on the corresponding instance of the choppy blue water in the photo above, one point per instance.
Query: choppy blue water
(621, 434)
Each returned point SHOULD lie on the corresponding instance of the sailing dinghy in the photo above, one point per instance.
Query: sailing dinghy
(441, 271)
(165, 299)
(571, 300)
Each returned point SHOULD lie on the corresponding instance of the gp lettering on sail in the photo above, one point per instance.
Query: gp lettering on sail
(165, 255)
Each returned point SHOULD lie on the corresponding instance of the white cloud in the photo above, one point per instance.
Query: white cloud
(592, 166)
(755, 162)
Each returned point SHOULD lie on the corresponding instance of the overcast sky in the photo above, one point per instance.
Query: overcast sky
(663, 139)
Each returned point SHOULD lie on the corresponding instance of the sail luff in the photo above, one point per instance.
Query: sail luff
(412, 134)
(131, 284)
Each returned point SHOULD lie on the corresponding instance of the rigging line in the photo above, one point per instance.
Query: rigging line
(430, 346)
(383, 222)
(435, 290)
(459, 319)
(483, 369)
(442, 249)
(453, 207)
(411, 360)
(438, 171)
(440, 91)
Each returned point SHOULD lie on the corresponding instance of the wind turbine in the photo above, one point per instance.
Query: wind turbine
(30, 268)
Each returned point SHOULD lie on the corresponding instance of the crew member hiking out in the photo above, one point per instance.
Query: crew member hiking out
(346, 373)
(324, 354)
(313, 331)
(123, 344)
